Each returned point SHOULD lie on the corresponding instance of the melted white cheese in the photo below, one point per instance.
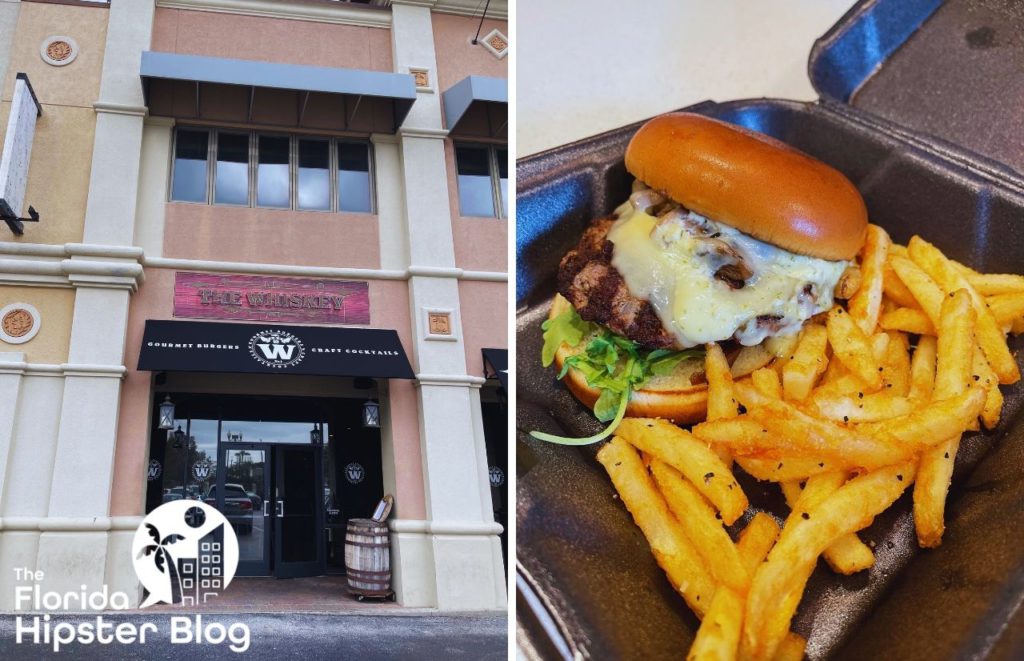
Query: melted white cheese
(661, 264)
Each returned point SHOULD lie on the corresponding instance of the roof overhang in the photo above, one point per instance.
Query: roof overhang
(477, 99)
(222, 89)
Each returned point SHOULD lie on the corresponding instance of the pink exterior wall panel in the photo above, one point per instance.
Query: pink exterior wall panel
(457, 56)
(266, 38)
(389, 306)
(481, 243)
(484, 309)
(271, 236)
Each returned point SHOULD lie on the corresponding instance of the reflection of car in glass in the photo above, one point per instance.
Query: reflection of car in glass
(238, 507)
(174, 493)
(257, 502)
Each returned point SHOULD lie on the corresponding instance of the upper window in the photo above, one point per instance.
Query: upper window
(482, 179)
(271, 171)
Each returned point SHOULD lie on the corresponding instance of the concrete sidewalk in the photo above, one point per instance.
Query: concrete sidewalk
(295, 635)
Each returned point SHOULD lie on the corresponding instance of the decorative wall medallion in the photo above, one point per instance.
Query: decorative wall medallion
(19, 323)
(422, 78)
(496, 43)
(58, 50)
(440, 323)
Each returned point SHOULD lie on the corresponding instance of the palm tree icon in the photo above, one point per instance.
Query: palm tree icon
(162, 557)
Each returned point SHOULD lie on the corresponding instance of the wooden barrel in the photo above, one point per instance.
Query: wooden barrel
(368, 558)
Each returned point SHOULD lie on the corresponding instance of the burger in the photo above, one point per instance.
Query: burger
(729, 236)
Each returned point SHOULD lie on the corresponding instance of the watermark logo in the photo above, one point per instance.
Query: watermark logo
(354, 473)
(184, 552)
(202, 470)
(277, 348)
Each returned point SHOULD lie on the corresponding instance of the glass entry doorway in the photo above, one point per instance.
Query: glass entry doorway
(287, 472)
(268, 492)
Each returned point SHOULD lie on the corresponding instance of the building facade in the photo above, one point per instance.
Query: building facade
(280, 218)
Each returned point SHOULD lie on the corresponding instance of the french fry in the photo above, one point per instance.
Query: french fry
(865, 304)
(853, 348)
(896, 365)
(895, 290)
(756, 539)
(992, 284)
(838, 380)
(721, 400)
(693, 458)
(849, 509)
(808, 362)
(871, 407)
(702, 526)
(849, 282)
(784, 468)
(924, 290)
(847, 555)
(908, 320)
(790, 430)
(988, 380)
(718, 637)
(928, 425)
(791, 648)
(930, 297)
(990, 335)
(672, 550)
(922, 370)
(952, 377)
(1006, 308)
(767, 381)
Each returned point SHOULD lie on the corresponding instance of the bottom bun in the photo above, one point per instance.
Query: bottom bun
(682, 404)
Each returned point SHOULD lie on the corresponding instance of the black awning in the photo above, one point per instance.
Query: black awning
(195, 346)
(498, 360)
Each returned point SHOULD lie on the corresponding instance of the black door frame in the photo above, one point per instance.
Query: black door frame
(316, 565)
(274, 509)
(249, 567)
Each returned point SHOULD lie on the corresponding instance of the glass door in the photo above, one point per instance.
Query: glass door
(298, 511)
(242, 494)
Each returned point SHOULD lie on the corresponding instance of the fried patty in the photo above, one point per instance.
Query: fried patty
(587, 279)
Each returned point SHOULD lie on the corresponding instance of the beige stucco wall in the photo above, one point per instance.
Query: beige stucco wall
(257, 37)
(56, 307)
(62, 150)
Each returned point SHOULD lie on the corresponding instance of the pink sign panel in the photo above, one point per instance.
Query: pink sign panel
(266, 298)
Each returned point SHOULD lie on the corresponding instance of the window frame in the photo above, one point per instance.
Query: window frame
(492, 162)
(293, 168)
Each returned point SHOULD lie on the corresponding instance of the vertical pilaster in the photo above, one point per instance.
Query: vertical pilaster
(83, 465)
(459, 522)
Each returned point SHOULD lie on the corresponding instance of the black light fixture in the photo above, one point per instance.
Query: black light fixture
(371, 414)
(179, 437)
(167, 413)
(316, 436)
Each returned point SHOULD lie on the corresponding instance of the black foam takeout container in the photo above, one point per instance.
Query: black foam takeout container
(921, 108)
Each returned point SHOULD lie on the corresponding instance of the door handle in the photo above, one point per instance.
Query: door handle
(280, 508)
(265, 504)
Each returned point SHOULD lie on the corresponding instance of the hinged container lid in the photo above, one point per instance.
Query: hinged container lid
(951, 70)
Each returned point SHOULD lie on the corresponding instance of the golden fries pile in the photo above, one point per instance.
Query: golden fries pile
(845, 419)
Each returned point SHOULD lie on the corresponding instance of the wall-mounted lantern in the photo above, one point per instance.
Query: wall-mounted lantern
(371, 414)
(167, 413)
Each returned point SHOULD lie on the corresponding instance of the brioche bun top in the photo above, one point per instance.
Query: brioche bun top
(752, 182)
